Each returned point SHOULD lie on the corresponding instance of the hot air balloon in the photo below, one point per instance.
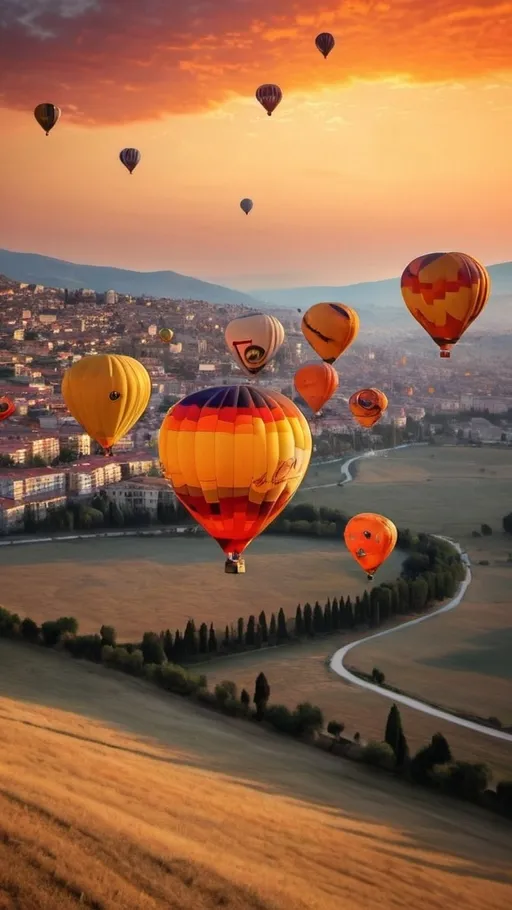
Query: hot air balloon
(47, 116)
(235, 456)
(106, 394)
(330, 328)
(130, 158)
(410, 391)
(7, 408)
(254, 340)
(246, 205)
(431, 390)
(367, 406)
(316, 383)
(445, 292)
(370, 538)
(325, 43)
(166, 335)
(269, 96)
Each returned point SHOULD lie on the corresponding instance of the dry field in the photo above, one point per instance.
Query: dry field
(148, 584)
(115, 796)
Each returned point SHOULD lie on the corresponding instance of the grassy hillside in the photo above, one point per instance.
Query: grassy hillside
(117, 797)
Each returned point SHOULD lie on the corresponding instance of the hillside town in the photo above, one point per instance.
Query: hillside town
(49, 466)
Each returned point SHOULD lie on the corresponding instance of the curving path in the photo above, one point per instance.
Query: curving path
(336, 662)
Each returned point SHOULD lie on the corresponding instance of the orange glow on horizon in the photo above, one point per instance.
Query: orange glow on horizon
(386, 150)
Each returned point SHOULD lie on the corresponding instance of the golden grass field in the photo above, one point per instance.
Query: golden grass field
(116, 796)
(149, 584)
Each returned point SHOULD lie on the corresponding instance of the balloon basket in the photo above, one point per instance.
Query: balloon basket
(369, 577)
(445, 354)
(235, 566)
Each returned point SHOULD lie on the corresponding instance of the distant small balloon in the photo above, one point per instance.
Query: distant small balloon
(269, 96)
(130, 158)
(166, 335)
(325, 43)
(246, 205)
(47, 116)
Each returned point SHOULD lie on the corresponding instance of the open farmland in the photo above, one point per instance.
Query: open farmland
(198, 812)
(142, 584)
(458, 498)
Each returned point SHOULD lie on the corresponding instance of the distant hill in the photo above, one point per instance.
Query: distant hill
(375, 294)
(57, 273)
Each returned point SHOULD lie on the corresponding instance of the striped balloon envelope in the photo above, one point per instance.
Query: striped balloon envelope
(235, 456)
(130, 158)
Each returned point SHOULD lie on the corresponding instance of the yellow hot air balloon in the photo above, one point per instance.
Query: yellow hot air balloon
(254, 340)
(316, 383)
(166, 335)
(235, 456)
(330, 328)
(106, 394)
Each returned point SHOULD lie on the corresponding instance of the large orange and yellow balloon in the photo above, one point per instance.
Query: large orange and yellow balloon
(106, 394)
(7, 407)
(330, 328)
(370, 539)
(235, 456)
(445, 292)
(254, 340)
(367, 406)
(316, 383)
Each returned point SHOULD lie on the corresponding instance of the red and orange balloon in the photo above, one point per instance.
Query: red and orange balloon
(370, 538)
(445, 292)
(316, 383)
(7, 408)
(367, 406)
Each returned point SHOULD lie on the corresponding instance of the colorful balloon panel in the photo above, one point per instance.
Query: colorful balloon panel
(7, 408)
(254, 340)
(370, 538)
(367, 406)
(106, 394)
(445, 292)
(316, 383)
(325, 43)
(235, 456)
(47, 116)
(330, 328)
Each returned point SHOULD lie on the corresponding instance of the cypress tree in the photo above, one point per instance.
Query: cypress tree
(335, 614)
(272, 632)
(366, 607)
(359, 617)
(190, 638)
(178, 650)
(374, 621)
(262, 622)
(203, 638)
(212, 640)
(249, 635)
(282, 631)
(227, 639)
(350, 613)
(308, 620)
(394, 736)
(168, 644)
(328, 616)
(240, 631)
(257, 636)
(318, 618)
(261, 695)
(299, 623)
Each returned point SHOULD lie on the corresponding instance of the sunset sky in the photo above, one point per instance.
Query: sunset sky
(400, 143)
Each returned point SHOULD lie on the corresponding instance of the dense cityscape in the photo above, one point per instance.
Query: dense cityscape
(47, 462)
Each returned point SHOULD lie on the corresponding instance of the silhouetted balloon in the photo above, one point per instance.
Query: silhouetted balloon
(47, 116)
(269, 96)
(130, 158)
(445, 292)
(325, 43)
(246, 205)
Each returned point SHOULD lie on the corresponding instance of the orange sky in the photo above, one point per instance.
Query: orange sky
(398, 144)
